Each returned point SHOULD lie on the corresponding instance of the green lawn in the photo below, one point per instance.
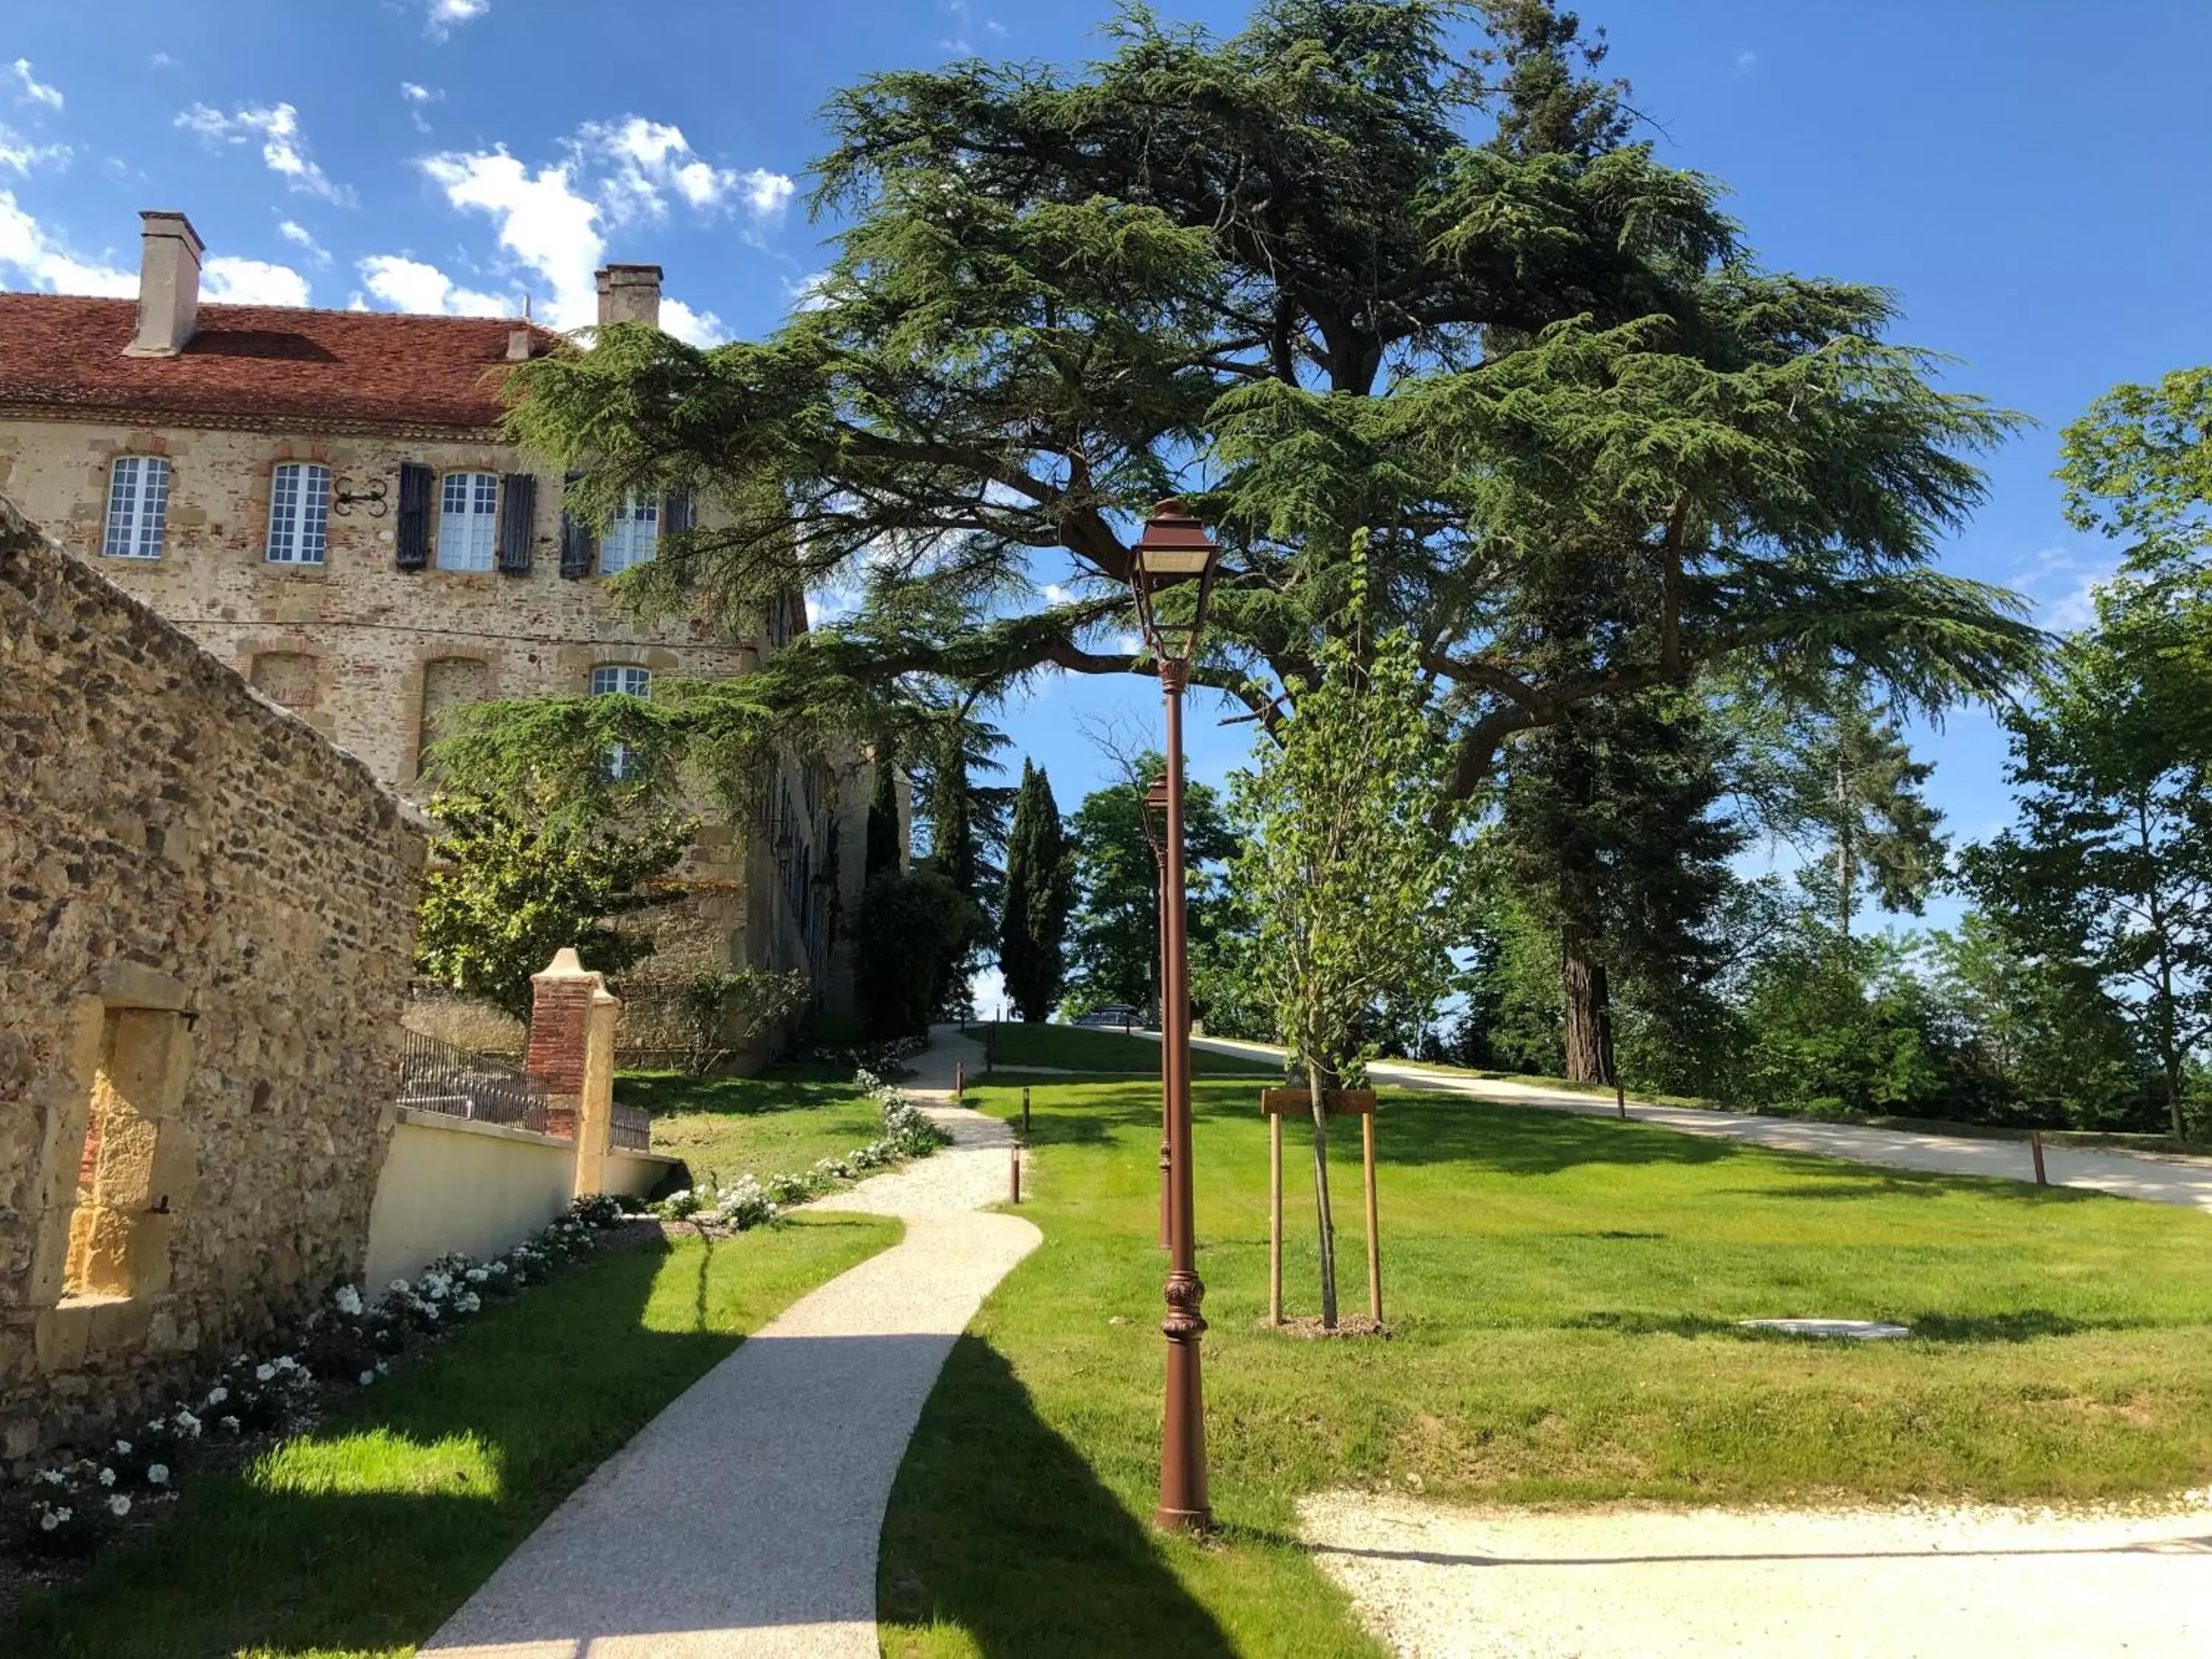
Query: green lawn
(1562, 1291)
(361, 1538)
(779, 1122)
(1082, 1049)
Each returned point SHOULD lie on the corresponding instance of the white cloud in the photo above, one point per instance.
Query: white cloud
(293, 231)
(35, 90)
(227, 280)
(161, 60)
(2063, 586)
(45, 263)
(417, 99)
(644, 161)
(19, 155)
(1055, 594)
(283, 146)
(553, 221)
(441, 17)
(1745, 62)
(406, 284)
(808, 293)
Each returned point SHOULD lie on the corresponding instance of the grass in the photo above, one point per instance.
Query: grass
(780, 1121)
(1083, 1048)
(1564, 1291)
(362, 1537)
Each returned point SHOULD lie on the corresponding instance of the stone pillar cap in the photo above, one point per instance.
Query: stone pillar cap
(564, 965)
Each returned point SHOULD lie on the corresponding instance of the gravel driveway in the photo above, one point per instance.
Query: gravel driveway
(1905, 1584)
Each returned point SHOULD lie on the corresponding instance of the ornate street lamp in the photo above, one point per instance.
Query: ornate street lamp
(1174, 552)
(1156, 800)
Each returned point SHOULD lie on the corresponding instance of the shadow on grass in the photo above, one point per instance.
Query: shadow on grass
(997, 1526)
(1837, 1181)
(1515, 1141)
(367, 1531)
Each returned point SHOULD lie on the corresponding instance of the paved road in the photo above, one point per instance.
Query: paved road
(2185, 1181)
(744, 1520)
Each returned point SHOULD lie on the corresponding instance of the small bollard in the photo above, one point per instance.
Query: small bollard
(2035, 1149)
(959, 1079)
(1014, 1174)
(1025, 1112)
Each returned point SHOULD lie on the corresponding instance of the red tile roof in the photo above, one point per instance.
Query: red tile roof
(62, 354)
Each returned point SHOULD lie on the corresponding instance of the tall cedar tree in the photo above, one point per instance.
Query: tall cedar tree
(1610, 839)
(886, 844)
(1329, 268)
(1039, 888)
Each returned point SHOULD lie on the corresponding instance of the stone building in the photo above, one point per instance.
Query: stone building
(205, 939)
(322, 500)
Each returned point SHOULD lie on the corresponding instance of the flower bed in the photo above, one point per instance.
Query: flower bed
(71, 1506)
(750, 1202)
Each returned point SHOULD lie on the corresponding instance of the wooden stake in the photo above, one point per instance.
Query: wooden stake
(1025, 1110)
(1374, 1239)
(1014, 1174)
(2035, 1147)
(1274, 1218)
(959, 1079)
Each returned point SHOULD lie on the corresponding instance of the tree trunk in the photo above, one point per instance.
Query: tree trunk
(2173, 1094)
(1319, 1081)
(1584, 993)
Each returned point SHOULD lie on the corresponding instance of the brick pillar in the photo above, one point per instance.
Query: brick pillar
(560, 1017)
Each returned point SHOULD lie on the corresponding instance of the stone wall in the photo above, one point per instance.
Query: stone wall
(205, 935)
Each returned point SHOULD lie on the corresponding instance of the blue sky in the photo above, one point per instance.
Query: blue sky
(2031, 176)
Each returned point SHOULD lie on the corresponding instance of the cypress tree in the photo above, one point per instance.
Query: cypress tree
(884, 842)
(1039, 890)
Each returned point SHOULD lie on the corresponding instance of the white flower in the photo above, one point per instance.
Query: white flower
(119, 1506)
(157, 1474)
(469, 1302)
(382, 1366)
(123, 1448)
(400, 1287)
(367, 1377)
(230, 1422)
(51, 1519)
(478, 1275)
(217, 1395)
(348, 1301)
(264, 1373)
(187, 1424)
(286, 1363)
(107, 1477)
(53, 1477)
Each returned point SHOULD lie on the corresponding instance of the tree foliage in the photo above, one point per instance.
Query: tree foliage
(1039, 890)
(916, 932)
(504, 893)
(1293, 265)
(1114, 935)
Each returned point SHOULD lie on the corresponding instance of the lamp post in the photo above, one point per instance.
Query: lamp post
(1175, 551)
(1156, 800)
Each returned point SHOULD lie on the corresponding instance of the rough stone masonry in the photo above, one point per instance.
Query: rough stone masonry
(206, 930)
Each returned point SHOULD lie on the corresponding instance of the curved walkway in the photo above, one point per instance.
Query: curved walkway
(744, 1520)
(2179, 1180)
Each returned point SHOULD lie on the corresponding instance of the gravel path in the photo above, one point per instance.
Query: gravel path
(1920, 1584)
(744, 1520)
(2164, 1179)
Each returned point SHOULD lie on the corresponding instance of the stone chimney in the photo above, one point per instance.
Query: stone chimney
(630, 294)
(169, 286)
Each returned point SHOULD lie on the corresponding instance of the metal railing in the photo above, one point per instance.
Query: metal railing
(437, 1077)
(630, 1130)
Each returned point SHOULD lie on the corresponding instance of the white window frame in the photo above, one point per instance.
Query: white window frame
(633, 535)
(621, 679)
(468, 539)
(299, 512)
(137, 522)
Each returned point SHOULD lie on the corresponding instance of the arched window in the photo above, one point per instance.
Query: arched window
(621, 679)
(299, 512)
(468, 521)
(137, 508)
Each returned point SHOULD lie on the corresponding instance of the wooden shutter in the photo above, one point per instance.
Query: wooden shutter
(578, 548)
(679, 510)
(412, 536)
(518, 517)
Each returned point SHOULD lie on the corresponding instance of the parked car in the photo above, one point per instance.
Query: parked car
(1115, 1016)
